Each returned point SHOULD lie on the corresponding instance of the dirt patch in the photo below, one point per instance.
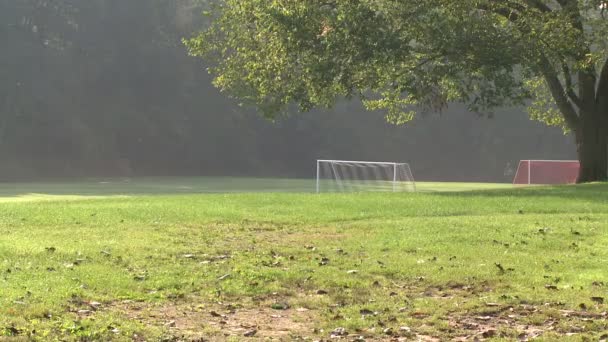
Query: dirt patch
(281, 324)
(498, 320)
(219, 322)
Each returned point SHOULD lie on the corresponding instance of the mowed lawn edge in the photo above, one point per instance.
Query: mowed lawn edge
(442, 265)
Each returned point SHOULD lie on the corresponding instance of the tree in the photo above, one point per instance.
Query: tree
(408, 56)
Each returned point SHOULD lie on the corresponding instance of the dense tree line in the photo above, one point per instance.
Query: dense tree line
(105, 88)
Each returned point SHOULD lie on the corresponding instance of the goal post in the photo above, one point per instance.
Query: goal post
(546, 172)
(360, 176)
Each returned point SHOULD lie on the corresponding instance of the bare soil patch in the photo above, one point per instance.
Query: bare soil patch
(220, 321)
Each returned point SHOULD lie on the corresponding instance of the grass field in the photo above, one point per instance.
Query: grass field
(160, 259)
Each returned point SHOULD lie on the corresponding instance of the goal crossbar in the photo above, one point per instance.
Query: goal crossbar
(357, 162)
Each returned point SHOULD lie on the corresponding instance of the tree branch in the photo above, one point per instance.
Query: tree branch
(559, 95)
(569, 87)
(539, 5)
(601, 95)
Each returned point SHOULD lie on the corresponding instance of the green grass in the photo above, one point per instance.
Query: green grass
(159, 262)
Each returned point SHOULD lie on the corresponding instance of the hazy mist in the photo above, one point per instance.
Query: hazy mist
(105, 88)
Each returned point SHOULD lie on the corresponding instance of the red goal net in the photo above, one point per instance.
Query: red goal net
(547, 172)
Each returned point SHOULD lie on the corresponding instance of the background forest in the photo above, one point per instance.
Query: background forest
(105, 88)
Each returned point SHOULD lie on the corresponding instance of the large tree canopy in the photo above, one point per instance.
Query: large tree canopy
(407, 56)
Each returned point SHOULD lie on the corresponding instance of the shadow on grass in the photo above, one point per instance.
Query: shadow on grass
(154, 186)
(597, 192)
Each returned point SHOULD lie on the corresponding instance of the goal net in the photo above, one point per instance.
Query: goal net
(547, 172)
(359, 176)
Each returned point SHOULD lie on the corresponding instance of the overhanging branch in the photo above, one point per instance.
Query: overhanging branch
(601, 94)
(559, 95)
(539, 5)
(569, 86)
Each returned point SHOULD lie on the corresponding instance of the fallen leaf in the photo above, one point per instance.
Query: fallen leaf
(250, 333)
(599, 300)
(280, 306)
(405, 329)
(94, 305)
(339, 332)
(215, 314)
(366, 312)
(489, 333)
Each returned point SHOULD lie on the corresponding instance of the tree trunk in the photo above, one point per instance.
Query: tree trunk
(592, 148)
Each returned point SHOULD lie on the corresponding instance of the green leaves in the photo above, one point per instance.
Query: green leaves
(401, 57)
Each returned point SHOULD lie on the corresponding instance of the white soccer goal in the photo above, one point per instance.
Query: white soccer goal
(358, 176)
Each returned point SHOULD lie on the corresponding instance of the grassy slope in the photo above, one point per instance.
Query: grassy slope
(424, 260)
